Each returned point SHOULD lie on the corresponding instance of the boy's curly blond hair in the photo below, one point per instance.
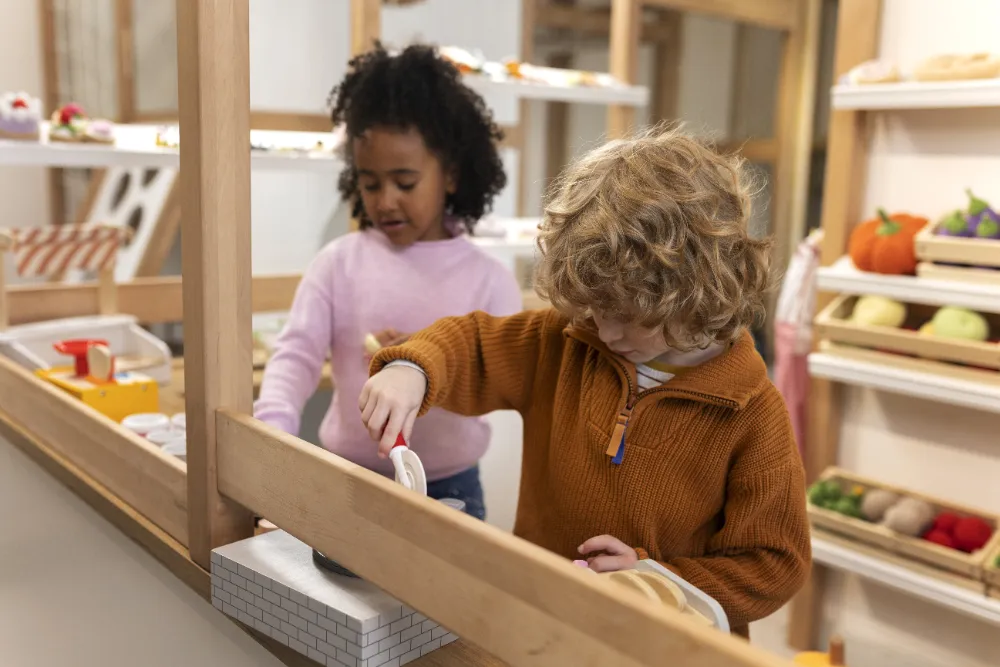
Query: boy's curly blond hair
(654, 231)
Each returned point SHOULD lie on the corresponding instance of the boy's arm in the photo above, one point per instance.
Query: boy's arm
(292, 373)
(761, 556)
(476, 363)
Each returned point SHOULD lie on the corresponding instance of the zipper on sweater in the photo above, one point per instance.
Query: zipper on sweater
(616, 446)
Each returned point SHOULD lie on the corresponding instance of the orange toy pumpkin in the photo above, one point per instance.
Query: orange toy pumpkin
(886, 244)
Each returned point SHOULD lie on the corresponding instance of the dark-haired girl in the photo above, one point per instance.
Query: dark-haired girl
(422, 166)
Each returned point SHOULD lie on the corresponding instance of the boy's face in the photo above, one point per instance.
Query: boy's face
(635, 343)
(402, 184)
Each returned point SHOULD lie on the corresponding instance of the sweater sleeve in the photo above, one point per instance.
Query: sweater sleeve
(292, 373)
(476, 363)
(761, 556)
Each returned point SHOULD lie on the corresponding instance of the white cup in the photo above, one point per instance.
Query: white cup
(177, 447)
(179, 422)
(144, 423)
(162, 436)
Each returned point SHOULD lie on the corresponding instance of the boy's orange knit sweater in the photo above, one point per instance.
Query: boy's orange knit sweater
(711, 484)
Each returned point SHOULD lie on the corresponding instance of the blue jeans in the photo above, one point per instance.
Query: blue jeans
(464, 486)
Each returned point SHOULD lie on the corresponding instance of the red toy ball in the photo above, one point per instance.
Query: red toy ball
(946, 521)
(971, 533)
(938, 536)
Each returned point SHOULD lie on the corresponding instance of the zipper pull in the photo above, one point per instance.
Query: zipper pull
(616, 446)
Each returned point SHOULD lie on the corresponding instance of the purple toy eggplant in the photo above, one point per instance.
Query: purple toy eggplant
(978, 209)
(953, 224)
(988, 227)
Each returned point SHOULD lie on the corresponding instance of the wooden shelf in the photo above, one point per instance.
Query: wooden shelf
(135, 146)
(830, 365)
(636, 96)
(840, 554)
(917, 95)
(843, 277)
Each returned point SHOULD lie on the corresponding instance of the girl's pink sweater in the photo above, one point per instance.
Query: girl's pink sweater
(359, 284)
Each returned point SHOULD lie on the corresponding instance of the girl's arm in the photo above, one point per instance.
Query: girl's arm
(293, 371)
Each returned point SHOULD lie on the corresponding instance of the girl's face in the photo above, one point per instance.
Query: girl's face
(403, 185)
(633, 342)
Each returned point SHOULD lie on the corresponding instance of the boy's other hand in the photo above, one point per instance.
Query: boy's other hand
(389, 404)
(608, 554)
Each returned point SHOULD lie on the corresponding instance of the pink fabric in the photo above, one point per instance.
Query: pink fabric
(791, 377)
(360, 284)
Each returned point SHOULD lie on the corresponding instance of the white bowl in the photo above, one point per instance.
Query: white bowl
(179, 422)
(146, 422)
(162, 436)
(177, 447)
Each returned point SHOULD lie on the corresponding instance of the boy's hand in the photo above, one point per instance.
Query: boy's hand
(615, 554)
(389, 404)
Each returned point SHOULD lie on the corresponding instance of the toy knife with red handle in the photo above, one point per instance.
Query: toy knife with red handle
(409, 470)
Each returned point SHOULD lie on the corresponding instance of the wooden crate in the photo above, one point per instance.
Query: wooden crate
(833, 324)
(990, 378)
(971, 252)
(961, 274)
(971, 565)
(991, 573)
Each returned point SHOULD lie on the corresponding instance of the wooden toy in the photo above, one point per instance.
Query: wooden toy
(93, 380)
(833, 658)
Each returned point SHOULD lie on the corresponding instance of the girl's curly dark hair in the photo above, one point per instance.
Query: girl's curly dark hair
(419, 89)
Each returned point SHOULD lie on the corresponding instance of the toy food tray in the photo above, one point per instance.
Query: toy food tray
(697, 599)
(915, 548)
(833, 324)
(960, 274)
(968, 251)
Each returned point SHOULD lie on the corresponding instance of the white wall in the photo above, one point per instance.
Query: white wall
(922, 161)
(23, 191)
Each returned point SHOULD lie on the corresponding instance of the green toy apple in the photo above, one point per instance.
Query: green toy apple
(878, 311)
(959, 323)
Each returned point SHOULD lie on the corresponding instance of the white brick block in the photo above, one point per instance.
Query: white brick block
(327, 649)
(420, 639)
(299, 598)
(346, 658)
(448, 638)
(317, 656)
(307, 638)
(221, 594)
(246, 619)
(318, 607)
(390, 617)
(230, 610)
(369, 624)
(263, 604)
(418, 618)
(289, 606)
(239, 604)
(388, 642)
(430, 646)
(333, 662)
(230, 588)
(427, 625)
(376, 636)
(307, 614)
(262, 581)
(327, 624)
(262, 626)
(337, 642)
(217, 580)
(399, 649)
(217, 603)
(238, 580)
(298, 646)
(280, 589)
(354, 650)
(272, 597)
(279, 613)
(392, 663)
(379, 659)
(289, 629)
(409, 656)
(409, 633)
(399, 625)
(255, 588)
(221, 573)
(336, 616)
(272, 620)
(348, 634)
(354, 624)
(216, 559)
(246, 572)
(438, 632)
(317, 631)
(279, 636)
(255, 612)
(298, 622)
(408, 611)
(246, 596)
(369, 651)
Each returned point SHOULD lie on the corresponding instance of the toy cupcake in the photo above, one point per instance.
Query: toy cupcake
(20, 116)
(68, 123)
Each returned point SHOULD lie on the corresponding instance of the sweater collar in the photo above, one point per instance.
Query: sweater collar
(730, 379)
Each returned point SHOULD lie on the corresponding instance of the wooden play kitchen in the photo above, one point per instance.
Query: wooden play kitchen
(473, 578)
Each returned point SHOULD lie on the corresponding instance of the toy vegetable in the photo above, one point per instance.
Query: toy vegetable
(833, 658)
(886, 244)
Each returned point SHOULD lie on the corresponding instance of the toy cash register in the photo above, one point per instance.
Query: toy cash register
(93, 380)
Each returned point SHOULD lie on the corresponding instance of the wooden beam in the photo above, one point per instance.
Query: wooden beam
(50, 101)
(757, 151)
(667, 66)
(473, 578)
(843, 193)
(778, 14)
(529, 10)
(130, 467)
(366, 24)
(213, 46)
(557, 128)
(595, 22)
(624, 61)
(126, 60)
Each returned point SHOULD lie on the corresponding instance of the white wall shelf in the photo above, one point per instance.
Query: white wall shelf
(636, 96)
(917, 95)
(897, 577)
(954, 391)
(843, 277)
(135, 146)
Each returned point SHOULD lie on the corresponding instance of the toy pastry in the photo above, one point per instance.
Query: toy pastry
(873, 71)
(20, 116)
(956, 67)
(69, 123)
(100, 131)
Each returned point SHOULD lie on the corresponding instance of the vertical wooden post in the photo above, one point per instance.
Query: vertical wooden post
(366, 24)
(626, 17)
(213, 47)
(843, 193)
(126, 60)
(667, 65)
(107, 291)
(557, 121)
(528, 14)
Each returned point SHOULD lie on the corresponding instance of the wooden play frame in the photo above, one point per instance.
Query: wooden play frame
(477, 578)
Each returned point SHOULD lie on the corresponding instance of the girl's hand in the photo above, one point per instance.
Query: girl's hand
(387, 338)
(615, 554)
(389, 404)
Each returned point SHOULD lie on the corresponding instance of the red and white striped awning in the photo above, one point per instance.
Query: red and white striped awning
(54, 249)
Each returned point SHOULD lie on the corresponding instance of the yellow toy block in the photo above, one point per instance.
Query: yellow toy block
(127, 394)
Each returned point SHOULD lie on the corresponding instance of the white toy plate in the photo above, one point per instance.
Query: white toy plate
(697, 599)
